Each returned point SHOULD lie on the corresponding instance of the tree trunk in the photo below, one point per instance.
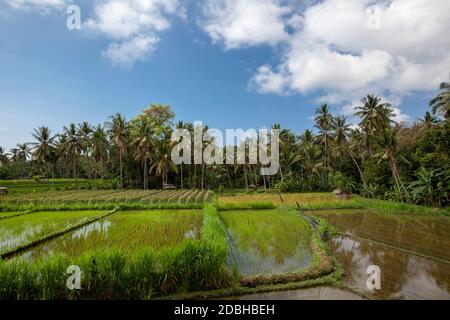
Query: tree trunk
(181, 173)
(121, 170)
(229, 177)
(145, 175)
(203, 175)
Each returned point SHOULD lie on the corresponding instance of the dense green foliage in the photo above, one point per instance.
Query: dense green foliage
(380, 159)
(115, 274)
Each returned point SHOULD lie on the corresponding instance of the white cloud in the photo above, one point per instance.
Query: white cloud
(133, 25)
(245, 22)
(125, 54)
(331, 49)
(40, 5)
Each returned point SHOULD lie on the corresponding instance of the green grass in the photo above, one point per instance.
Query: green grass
(126, 231)
(99, 197)
(22, 230)
(33, 186)
(190, 266)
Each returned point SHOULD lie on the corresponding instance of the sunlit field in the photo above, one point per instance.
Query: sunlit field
(126, 231)
(267, 241)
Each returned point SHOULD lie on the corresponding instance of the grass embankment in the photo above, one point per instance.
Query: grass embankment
(113, 274)
(96, 197)
(37, 186)
(320, 201)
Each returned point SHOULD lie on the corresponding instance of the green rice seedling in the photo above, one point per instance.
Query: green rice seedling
(268, 241)
(127, 231)
(24, 229)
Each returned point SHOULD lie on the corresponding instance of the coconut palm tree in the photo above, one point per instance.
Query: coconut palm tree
(440, 104)
(42, 148)
(163, 162)
(324, 122)
(119, 133)
(143, 144)
(389, 144)
(3, 156)
(73, 146)
(375, 116)
(428, 120)
(99, 147)
(341, 130)
(23, 152)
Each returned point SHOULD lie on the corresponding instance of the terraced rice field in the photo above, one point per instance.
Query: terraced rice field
(24, 229)
(304, 199)
(128, 230)
(412, 252)
(109, 196)
(267, 241)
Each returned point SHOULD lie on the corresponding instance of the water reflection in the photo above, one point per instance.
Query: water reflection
(400, 246)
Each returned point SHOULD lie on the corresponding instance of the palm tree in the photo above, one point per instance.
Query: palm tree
(181, 125)
(341, 130)
(73, 146)
(388, 142)
(118, 131)
(163, 163)
(99, 147)
(356, 140)
(23, 152)
(441, 102)
(3, 156)
(42, 148)
(375, 116)
(429, 120)
(143, 144)
(324, 121)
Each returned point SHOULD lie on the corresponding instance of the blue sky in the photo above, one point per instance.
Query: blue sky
(201, 65)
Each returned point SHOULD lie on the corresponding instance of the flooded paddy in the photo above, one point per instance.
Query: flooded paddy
(267, 241)
(126, 231)
(21, 230)
(412, 252)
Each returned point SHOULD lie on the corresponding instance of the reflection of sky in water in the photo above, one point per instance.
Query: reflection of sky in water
(10, 240)
(403, 276)
(99, 227)
(251, 261)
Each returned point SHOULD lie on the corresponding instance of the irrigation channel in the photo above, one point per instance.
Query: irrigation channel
(412, 252)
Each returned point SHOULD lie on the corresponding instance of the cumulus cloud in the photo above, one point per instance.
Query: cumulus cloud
(125, 54)
(40, 5)
(245, 23)
(333, 47)
(133, 25)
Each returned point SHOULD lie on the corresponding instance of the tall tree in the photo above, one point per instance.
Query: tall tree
(73, 146)
(42, 148)
(375, 116)
(99, 147)
(142, 136)
(324, 121)
(118, 131)
(440, 104)
(389, 144)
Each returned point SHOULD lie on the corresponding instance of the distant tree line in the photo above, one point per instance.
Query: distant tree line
(378, 158)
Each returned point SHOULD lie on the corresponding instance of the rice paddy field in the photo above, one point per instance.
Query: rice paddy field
(127, 231)
(235, 244)
(24, 229)
(108, 196)
(412, 252)
(267, 241)
(289, 199)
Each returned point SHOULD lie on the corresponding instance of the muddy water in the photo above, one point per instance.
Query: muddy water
(413, 252)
